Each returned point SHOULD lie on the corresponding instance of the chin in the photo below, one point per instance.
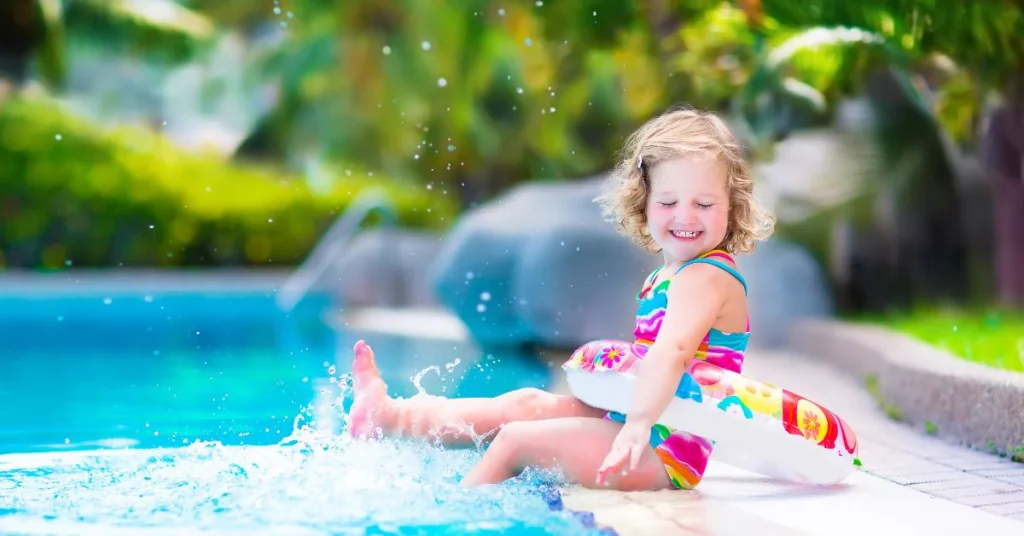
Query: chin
(684, 253)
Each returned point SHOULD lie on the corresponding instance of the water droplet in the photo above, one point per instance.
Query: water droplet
(425, 45)
(107, 301)
(332, 370)
(480, 307)
(277, 11)
(485, 296)
(386, 50)
(148, 299)
(67, 262)
(501, 12)
(441, 82)
(529, 41)
(58, 137)
(270, 220)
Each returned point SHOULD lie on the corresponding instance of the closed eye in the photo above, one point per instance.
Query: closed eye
(672, 204)
(705, 207)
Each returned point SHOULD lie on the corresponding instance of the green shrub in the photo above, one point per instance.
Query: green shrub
(73, 194)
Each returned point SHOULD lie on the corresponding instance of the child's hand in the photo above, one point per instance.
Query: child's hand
(629, 445)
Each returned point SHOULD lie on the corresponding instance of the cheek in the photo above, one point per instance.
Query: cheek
(717, 218)
(657, 214)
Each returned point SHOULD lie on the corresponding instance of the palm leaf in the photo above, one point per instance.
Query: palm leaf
(166, 16)
(159, 28)
(51, 51)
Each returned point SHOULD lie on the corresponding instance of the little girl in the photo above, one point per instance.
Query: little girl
(682, 189)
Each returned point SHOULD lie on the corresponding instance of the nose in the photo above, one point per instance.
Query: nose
(684, 214)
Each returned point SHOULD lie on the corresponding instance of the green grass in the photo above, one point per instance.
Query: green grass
(992, 338)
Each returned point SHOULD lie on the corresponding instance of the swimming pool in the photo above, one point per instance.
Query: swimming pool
(212, 412)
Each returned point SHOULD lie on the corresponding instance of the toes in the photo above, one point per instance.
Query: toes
(364, 362)
(358, 425)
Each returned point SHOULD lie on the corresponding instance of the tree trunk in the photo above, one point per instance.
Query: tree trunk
(1003, 149)
(1009, 240)
(19, 35)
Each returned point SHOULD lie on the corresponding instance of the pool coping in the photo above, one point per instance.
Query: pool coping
(924, 386)
(93, 280)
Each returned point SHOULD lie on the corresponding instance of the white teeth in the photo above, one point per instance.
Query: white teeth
(684, 234)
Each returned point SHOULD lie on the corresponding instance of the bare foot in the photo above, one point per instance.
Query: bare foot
(372, 408)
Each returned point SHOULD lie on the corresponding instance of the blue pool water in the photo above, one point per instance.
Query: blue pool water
(213, 412)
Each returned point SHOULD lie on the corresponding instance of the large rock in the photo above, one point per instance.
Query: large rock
(578, 282)
(385, 267)
(785, 284)
(539, 265)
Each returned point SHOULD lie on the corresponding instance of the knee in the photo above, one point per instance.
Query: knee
(533, 402)
(510, 440)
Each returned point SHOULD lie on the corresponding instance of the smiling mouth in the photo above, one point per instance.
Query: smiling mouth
(685, 235)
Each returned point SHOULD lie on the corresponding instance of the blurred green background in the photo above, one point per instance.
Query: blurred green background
(233, 132)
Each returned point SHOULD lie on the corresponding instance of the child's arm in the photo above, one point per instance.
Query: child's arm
(695, 298)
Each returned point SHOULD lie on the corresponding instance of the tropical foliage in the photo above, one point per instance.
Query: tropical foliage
(71, 195)
(470, 97)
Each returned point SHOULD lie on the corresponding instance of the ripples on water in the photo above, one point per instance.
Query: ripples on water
(313, 482)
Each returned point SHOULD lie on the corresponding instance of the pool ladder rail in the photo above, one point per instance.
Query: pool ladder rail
(326, 251)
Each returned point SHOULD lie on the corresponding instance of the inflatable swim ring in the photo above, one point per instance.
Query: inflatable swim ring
(753, 425)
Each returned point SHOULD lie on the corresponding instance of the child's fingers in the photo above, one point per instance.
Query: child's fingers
(611, 463)
(634, 456)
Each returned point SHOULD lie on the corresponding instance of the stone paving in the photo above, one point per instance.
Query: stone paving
(895, 451)
(890, 450)
(919, 478)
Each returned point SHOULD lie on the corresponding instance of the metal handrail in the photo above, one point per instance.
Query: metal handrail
(298, 284)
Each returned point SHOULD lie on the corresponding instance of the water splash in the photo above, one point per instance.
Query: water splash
(312, 480)
(315, 481)
(417, 379)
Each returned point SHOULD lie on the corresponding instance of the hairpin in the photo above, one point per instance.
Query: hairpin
(640, 161)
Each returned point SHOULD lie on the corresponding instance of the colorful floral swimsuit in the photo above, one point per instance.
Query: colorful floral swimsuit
(684, 455)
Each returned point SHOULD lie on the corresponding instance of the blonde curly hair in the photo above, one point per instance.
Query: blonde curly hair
(678, 132)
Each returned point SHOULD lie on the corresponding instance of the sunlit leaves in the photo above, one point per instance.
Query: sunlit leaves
(987, 36)
(716, 54)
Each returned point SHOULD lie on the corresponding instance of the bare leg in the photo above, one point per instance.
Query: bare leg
(453, 420)
(576, 445)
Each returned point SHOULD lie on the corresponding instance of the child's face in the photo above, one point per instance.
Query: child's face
(688, 206)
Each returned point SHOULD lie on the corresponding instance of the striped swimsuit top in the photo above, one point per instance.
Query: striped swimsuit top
(719, 348)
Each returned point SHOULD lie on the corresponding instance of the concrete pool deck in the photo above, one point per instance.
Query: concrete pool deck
(909, 479)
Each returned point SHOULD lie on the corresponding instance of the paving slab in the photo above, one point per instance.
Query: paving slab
(909, 479)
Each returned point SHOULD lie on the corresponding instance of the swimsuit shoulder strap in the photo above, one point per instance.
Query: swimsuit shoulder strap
(712, 257)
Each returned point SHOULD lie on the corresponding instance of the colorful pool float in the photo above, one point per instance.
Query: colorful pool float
(754, 426)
